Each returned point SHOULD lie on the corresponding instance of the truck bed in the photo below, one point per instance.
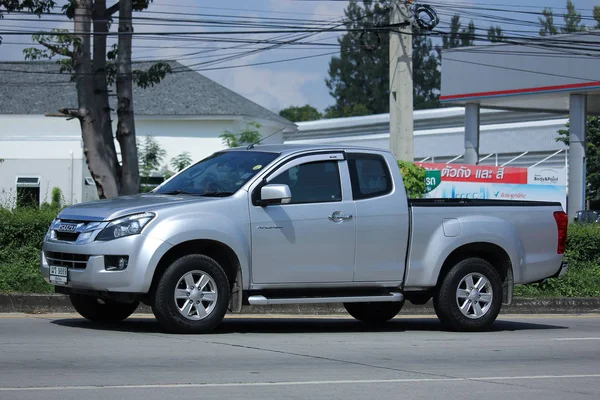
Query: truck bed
(525, 230)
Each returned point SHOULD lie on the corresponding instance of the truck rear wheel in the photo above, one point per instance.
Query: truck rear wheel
(470, 296)
(99, 310)
(373, 313)
(192, 295)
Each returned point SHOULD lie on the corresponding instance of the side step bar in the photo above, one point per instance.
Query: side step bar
(260, 300)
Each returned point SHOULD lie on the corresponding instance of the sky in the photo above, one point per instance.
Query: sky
(279, 84)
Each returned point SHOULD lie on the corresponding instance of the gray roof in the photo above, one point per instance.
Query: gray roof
(39, 87)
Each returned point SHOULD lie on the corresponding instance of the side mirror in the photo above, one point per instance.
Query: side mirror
(275, 194)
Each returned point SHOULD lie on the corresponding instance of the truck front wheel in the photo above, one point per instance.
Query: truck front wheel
(99, 310)
(192, 295)
(373, 312)
(470, 296)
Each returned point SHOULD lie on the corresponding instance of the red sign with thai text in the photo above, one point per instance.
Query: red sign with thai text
(478, 173)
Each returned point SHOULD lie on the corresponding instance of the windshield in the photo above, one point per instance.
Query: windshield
(221, 174)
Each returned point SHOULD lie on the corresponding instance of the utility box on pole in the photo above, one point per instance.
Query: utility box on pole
(401, 82)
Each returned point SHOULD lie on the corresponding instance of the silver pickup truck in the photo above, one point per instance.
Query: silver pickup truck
(279, 224)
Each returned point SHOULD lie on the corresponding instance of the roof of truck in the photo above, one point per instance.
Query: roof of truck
(296, 148)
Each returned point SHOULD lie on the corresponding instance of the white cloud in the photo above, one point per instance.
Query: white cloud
(330, 10)
(271, 89)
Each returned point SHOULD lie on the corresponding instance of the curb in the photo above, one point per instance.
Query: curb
(56, 303)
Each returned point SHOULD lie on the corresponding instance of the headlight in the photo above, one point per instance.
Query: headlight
(126, 226)
(51, 234)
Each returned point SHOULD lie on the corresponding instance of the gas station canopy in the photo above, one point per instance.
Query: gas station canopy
(537, 74)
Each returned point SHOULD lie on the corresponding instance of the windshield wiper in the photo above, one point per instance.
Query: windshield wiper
(216, 194)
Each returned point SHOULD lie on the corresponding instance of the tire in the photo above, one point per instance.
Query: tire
(97, 310)
(373, 313)
(202, 290)
(480, 299)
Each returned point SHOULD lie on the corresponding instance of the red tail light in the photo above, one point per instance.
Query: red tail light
(562, 223)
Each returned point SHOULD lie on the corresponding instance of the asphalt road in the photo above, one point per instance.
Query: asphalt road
(65, 357)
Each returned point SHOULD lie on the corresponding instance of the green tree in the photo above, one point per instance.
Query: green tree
(592, 157)
(572, 20)
(94, 68)
(181, 161)
(249, 135)
(151, 156)
(359, 77)
(426, 73)
(56, 199)
(458, 36)
(452, 39)
(597, 17)
(349, 110)
(547, 20)
(467, 35)
(495, 34)
(300, 114)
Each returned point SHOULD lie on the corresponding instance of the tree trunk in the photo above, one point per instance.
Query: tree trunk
(93, 138)
(130, 177)
(100, 19)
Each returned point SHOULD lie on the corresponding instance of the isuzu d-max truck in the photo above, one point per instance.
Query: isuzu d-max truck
(283, 224)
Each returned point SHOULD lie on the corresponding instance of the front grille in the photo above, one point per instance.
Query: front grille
(75, 261)
(67, 236)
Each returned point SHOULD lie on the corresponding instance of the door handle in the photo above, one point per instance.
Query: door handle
(339, 216)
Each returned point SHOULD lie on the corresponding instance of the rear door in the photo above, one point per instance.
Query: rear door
(311, 239)
(382, 220)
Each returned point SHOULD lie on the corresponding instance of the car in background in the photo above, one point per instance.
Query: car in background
(587, 217)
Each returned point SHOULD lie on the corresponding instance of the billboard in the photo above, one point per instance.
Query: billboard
(501, 183)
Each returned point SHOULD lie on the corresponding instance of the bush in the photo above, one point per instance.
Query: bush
(21, 234)
(414, 179)
(583, 243)
(56, 197)
(582, 280)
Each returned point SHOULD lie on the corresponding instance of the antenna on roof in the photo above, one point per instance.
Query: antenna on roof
(251, 146)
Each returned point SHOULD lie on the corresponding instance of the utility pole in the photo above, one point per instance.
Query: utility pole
(401, 81)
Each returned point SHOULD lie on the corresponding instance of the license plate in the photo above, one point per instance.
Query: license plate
(59, 275)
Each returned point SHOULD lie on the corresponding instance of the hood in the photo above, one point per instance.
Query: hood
(106, 210)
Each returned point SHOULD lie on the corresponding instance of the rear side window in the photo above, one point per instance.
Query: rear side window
(370, 176)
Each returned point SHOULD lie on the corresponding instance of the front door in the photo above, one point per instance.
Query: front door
(311, 239)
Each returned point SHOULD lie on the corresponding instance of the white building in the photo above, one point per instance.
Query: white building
(185, 112)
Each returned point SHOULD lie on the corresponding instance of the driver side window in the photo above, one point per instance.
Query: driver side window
(315, 182)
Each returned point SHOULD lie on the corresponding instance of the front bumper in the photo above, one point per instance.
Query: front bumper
(144, 254)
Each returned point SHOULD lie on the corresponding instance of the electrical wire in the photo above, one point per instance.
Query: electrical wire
(285, 25)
